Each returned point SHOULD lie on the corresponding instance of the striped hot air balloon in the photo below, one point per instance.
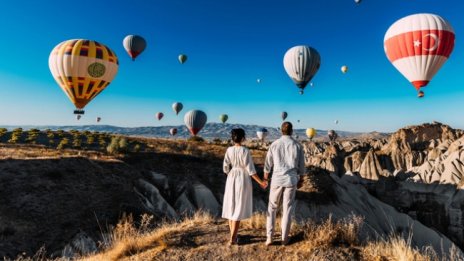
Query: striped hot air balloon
(134, 45)
(83, 69)
(177, 107)
(195, 120)
(418, 45)
(301, 63)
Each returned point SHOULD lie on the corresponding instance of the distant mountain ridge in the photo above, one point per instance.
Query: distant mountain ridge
(210, 131)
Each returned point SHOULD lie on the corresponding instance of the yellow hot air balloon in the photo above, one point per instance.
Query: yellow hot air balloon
(311, 133)
(83, 69)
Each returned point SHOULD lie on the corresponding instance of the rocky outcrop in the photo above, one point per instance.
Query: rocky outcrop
(419, 171)
(80, 245)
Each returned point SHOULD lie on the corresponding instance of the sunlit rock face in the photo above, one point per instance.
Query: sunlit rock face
(418, 170)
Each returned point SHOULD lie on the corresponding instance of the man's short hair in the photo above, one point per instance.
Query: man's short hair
(287, 128)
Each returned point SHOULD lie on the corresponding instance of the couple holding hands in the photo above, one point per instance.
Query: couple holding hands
(285, 158)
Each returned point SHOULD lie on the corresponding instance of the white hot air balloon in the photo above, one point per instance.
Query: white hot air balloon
(301, 64)
(262, 134)
(344, 69)
(195, 120)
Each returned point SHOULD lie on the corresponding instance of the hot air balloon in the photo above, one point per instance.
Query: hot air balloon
(195, 120)
(159, 115)
(336, 121)
(284, 115)
(357, 1)
(262, 134)
(311, 133)
(298, 120)
(332, 135)
(301, 63)
(173, 131)
(418, 45)
(134, 45)
(223, 118)
(344, 69)
(78, 117)
(311, 84)
(98, 119)
(177, 107)
(182, 58)
(83, 69)
(258, 80)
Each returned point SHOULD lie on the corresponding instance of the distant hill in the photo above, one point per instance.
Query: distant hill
(210, 131)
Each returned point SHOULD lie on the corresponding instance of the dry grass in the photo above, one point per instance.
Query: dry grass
(128, 241)
(203, 238)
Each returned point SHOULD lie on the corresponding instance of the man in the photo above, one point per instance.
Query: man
(286, 157)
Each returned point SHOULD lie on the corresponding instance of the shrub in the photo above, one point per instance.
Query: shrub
(32, 135)
(3, 131)
(77, 143)
(60, 133)
(113, 148)
(195, 139)
(123, 144)
(137, 148)
(90, 139)
(63, 143)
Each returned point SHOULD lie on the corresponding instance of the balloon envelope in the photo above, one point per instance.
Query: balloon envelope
(177, 107)
(83, 69)
(284, 115)
(159, 115)
(195, 120)
(262, 134)
(332, 135)
(311, 133)
(301, 64)
(182, 58)
(134, 45)
(418, 45)
(223, 118)
(344, 69)
(173, 131)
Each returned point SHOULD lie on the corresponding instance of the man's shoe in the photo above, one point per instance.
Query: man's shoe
(285, 242)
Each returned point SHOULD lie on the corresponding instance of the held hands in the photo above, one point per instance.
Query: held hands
(264, 184)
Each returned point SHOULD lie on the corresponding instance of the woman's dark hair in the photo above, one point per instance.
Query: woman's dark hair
(237, 135)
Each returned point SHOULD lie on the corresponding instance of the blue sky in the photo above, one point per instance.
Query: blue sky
(229, 44)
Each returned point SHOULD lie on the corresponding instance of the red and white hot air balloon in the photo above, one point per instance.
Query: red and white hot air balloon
(418, 45)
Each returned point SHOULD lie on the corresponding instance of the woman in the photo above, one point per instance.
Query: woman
(238, 196)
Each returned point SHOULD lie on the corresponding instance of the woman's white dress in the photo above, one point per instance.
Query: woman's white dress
(238, 196)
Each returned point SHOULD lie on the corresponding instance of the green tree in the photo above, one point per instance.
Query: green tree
(3, 131)
(63, 143)
(113, 147)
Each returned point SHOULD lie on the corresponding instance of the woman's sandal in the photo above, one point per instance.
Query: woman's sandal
(235, 242)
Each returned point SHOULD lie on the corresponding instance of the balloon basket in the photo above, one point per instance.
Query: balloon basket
(79, 112)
